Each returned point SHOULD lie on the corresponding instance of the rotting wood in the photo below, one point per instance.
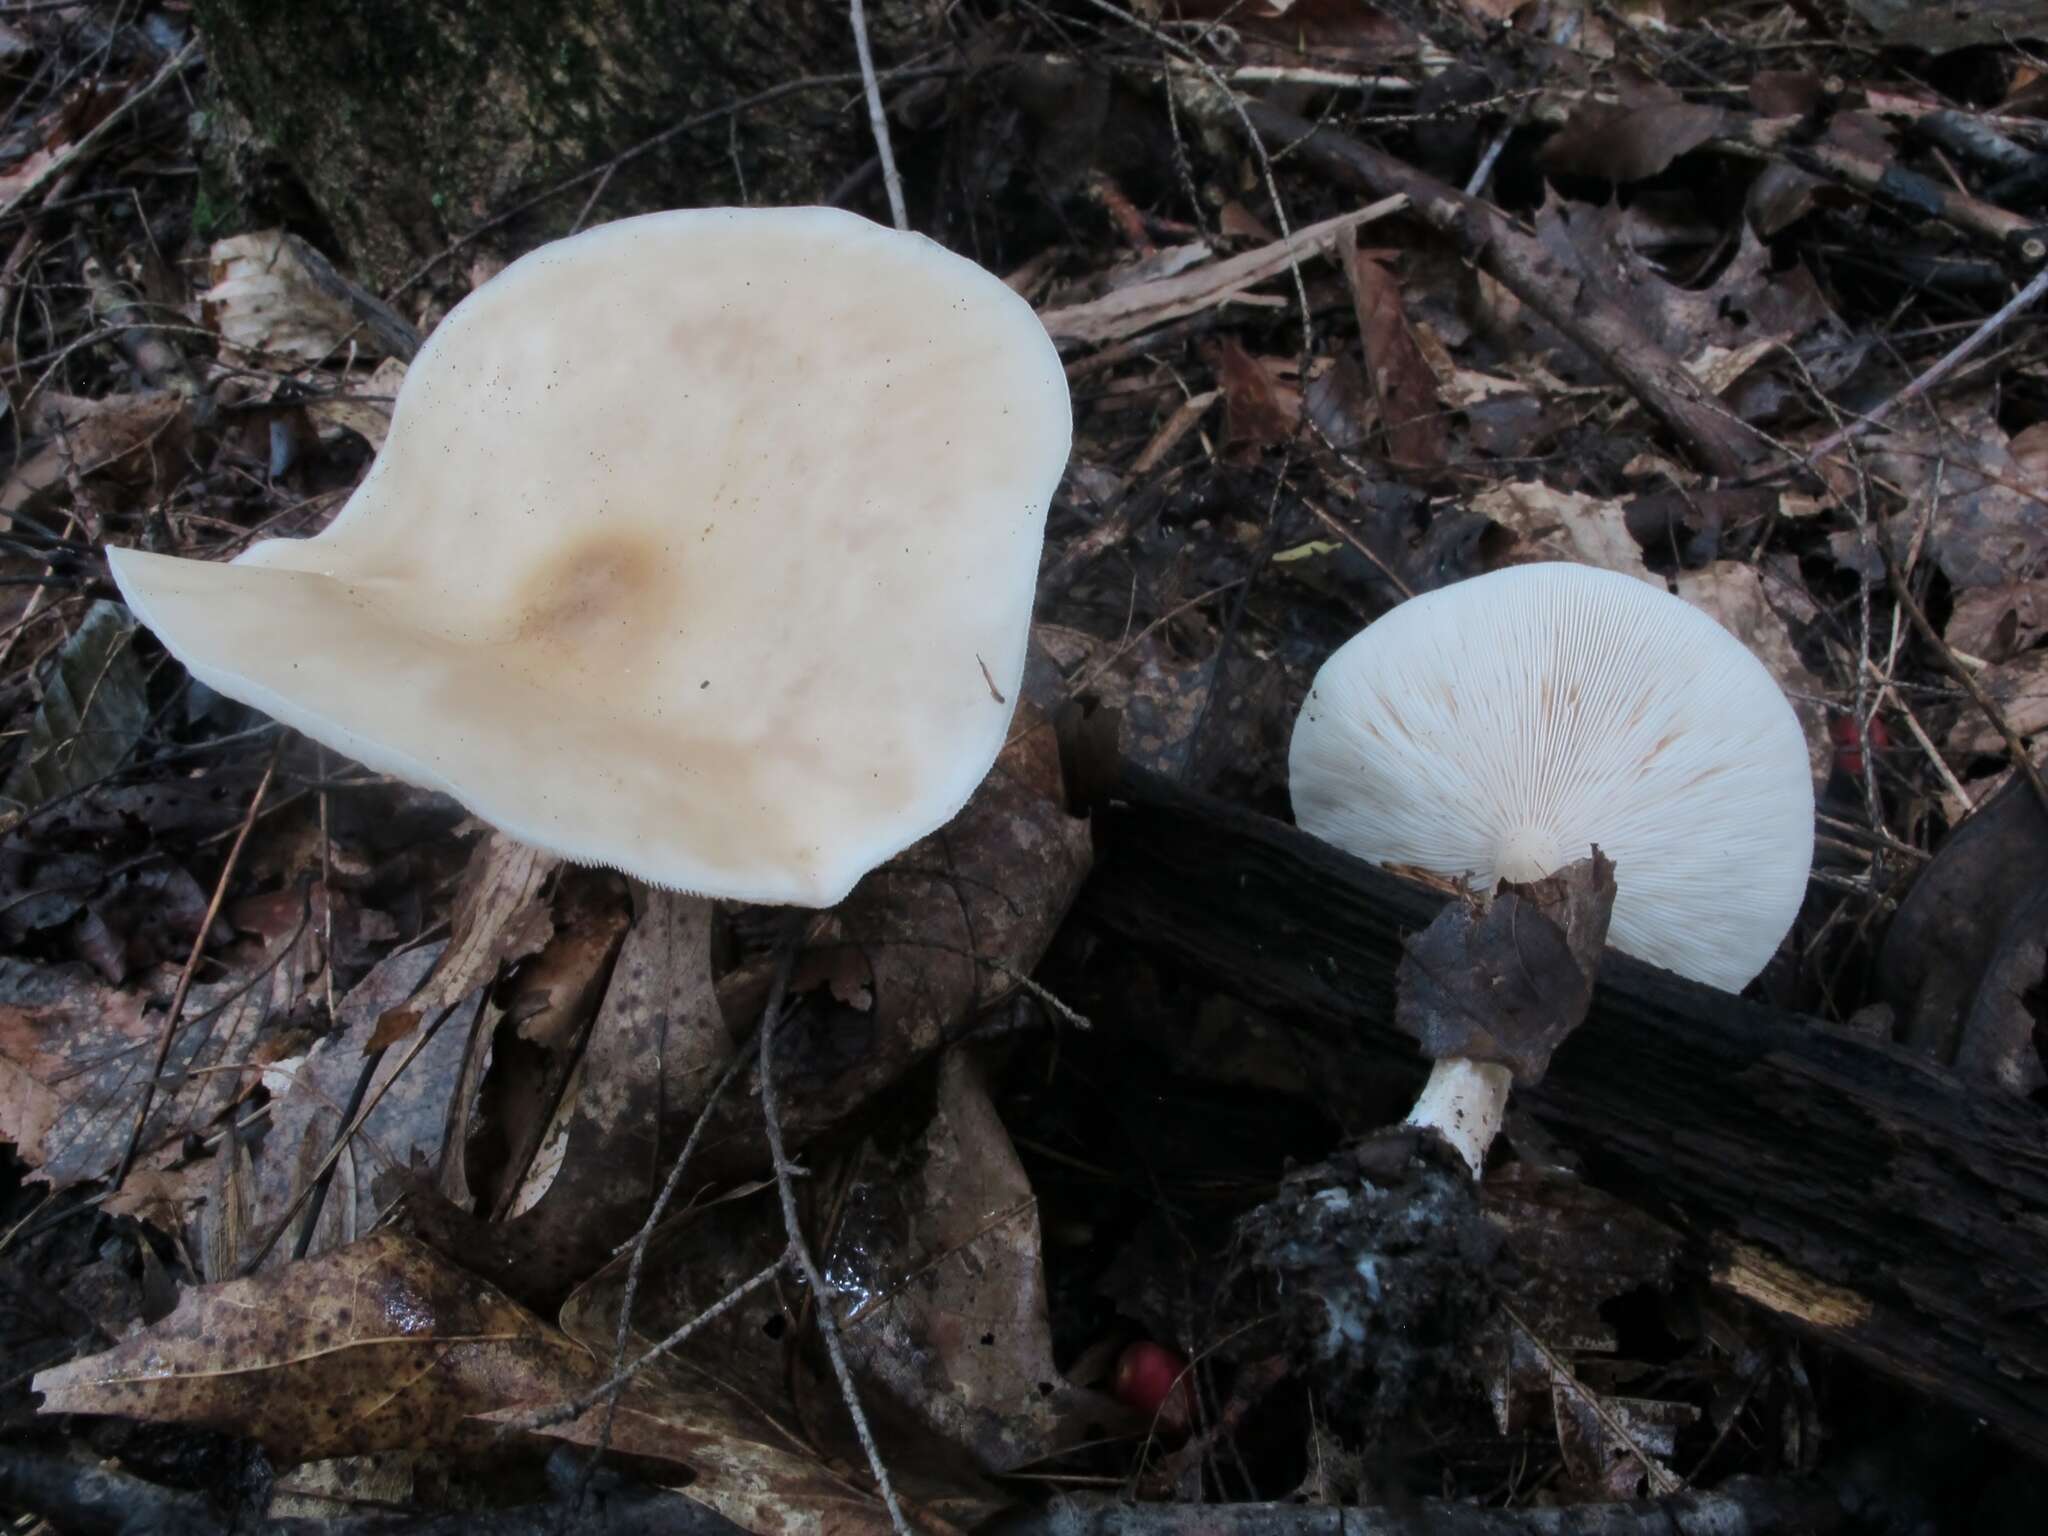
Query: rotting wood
(1860, 1193)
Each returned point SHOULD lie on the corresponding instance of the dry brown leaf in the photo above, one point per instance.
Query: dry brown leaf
(128, 445)
(364, 403)
(74, 1055)
(267, 303)
(1259, 411)
(1403, 382)
(940, 931)
(1564, 525)
(719, 1405)
(1986, 515)
(937, 1253)
(1997, 622)
(1630, 141)
(2020, 690)
(380, 1346)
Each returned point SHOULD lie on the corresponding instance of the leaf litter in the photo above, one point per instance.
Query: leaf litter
(426, 1074)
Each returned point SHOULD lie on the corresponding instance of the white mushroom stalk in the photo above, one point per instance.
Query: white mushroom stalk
(703, 546)
(1500, 727)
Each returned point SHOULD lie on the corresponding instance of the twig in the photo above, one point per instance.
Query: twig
(89, 142)
(785, 1183)
(645, 1236)
(184, 986)
(878, 120)
(2016, 748)
(348, 1132)
(1610, 335)
(575, 1407)
(1956, 357)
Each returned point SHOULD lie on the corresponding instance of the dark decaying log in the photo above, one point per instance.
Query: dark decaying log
(1862, 1194)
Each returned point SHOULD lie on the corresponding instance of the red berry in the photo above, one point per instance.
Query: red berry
(1153, 1379)
(1850, 741)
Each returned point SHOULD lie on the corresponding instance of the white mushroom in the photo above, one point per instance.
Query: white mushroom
(1498, 728)
(703, 546)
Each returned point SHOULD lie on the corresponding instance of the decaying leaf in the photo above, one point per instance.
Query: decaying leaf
(2019, 688)
(1506, 978)
(1403, 382)
(716, 1405)
(268, 302)
(939, 933)
(1259, 410)
(133, 446)
(362, 405)
(937, 1259)
(1564, 525)
(1632, 138)
(74, 1055)
(1965, 950)
(381, 1346)
(94, 708)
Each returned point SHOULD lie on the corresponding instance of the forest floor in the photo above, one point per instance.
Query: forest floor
(331, 1121)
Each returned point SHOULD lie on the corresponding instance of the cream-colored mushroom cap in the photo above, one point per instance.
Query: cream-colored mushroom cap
(703, 546)
(1501, 726)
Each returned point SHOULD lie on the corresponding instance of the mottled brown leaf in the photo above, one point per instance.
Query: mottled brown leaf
(936, 935)
(938, 1262)
(1506, 978)
(380, 1346)
(310, 1092)
(74, 1054)
(2019, 688)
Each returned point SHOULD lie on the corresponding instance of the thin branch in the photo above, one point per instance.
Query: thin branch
(878, 120)
(184, 986)
(792, 1222)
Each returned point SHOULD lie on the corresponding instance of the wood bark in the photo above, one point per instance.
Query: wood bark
(412, 125)
(1864, 1195)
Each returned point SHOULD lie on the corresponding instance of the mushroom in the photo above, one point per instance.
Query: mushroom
(703, 546)
(1498, 728)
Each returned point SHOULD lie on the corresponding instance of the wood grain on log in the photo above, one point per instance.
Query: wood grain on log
(1864, 1195)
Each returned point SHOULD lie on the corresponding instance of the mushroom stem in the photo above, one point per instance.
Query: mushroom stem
(1464, 1102)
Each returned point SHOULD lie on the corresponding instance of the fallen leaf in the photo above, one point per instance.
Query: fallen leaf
(1964, 949)
(381, 1346)
(133, 445)
(1505, 978)
(75, 1053)
(1564, 525)
(267, 302)
(362, 404)
(720, 1404)
(1632, 139)
(1996, 622)
(940, 932)
(1259, 411)
(938, 1263)
(94, 708)
(2019, 688)
(1403, 383)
